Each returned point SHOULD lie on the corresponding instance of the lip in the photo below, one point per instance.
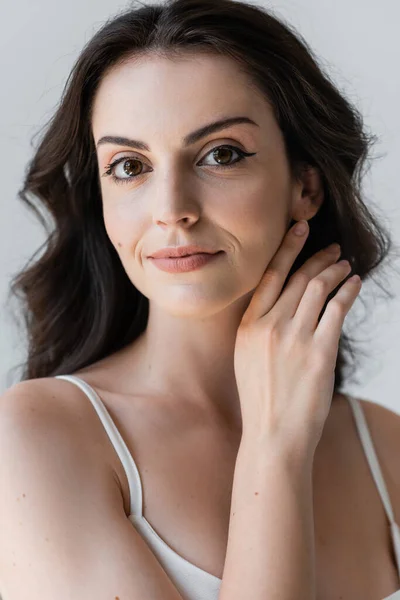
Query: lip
(185, 263)
(177, 252)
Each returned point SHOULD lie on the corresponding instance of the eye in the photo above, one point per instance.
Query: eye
(220, 153)
(223, 153)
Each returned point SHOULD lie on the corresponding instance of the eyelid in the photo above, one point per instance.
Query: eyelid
(134, 154)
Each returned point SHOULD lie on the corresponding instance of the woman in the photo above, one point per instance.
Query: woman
(202, 128)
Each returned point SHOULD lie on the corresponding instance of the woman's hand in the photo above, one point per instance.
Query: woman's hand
(284, 359)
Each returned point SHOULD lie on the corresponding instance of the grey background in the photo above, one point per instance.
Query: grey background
(357, 42)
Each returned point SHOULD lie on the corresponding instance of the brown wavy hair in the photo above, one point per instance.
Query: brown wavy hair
(77, 301)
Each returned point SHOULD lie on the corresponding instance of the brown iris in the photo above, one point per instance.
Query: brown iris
(222, 150)
(131, 172)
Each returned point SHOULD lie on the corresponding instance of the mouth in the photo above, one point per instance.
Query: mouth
(193, 254)
(189, 262)
(182, 252)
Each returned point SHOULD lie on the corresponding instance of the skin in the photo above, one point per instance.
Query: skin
(244, 211)
(186, 463)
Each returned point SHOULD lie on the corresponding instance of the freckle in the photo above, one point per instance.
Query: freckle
(23, 495)
(256, 493)
(119, 244)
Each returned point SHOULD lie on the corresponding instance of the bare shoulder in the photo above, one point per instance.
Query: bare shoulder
(55, 414)
(35, 406)
(385, 423)
(45, 413)
(384, 426)
(59, 499)
(58, 415)
(47, 402)
(46, 393)
(58, 410)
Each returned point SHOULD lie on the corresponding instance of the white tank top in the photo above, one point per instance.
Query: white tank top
(192, 582)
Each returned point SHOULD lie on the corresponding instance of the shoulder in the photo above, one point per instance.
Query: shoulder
(384, 421)
(58, 498)
(384, 427)
(40, 421)
(55, 415)
(47, 401)
(54, 412)
(28, 403)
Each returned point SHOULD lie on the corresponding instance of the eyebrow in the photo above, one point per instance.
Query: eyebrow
(189, 139)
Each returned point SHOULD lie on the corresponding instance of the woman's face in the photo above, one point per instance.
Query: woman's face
(165, 197)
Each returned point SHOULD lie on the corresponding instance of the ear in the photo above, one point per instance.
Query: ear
(308, 193)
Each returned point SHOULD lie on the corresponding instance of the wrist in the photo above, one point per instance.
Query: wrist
(262, 451)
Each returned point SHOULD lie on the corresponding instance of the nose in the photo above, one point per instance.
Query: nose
(175, 205)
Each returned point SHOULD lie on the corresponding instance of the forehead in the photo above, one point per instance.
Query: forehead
(174, 94)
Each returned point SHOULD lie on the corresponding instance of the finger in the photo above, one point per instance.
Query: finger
(292, 295)
(328, 331)
(315, 295)
(273, 279)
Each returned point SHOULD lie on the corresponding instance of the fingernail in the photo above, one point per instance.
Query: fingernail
(333, 248)
(300, 228)
(355, 279)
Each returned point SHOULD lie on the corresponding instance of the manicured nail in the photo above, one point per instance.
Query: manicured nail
(300, 228)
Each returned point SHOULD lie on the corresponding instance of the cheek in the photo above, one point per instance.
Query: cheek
(122, 230)
(256, 215)
(258, 222)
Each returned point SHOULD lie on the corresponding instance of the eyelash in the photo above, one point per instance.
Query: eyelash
(111, 166)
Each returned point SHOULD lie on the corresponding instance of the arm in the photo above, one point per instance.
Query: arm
(270, 553)
(64, 533)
